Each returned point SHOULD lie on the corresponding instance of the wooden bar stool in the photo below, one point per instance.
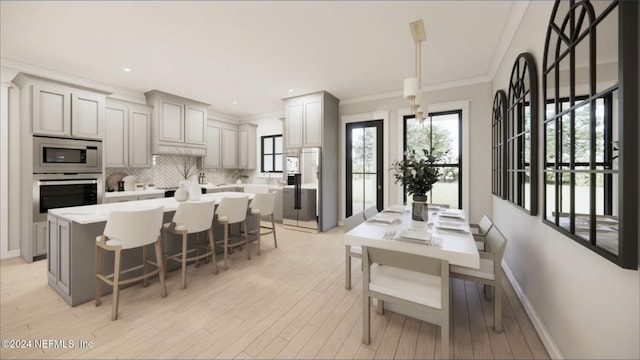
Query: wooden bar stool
(262, 205)
(232, 210)
(128, 230)
(191, 218)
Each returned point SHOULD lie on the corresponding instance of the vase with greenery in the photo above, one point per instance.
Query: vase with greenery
(238, 175)
(417, 174)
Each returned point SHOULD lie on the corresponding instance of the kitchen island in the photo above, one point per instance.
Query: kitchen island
(72, 237)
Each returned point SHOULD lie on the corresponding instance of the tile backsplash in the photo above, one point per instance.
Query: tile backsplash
(166, 171)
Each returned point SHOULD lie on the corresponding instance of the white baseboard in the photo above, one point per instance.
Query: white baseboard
(10, 254)
(545, 336)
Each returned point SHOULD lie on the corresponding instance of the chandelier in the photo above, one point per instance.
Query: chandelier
(413, 85)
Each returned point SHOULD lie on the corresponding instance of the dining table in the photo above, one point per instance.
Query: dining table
(445, 235)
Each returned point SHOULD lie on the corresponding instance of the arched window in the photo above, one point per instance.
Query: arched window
(586, 110)
(522, 135)
(498, 148)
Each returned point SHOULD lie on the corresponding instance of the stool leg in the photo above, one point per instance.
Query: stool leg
(184, 261)
(145, 281)
(347, 269)
(259, 236)
(226, 244)
(163, 288)
(213, 251)
(98, 301)
(273, 226)
(116, 285)
(166, 253)
(246, 239)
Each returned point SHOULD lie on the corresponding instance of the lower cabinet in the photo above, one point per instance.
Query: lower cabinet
(40, 238)
(59, 253)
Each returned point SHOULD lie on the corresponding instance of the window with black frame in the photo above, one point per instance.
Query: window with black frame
(522, 135)
(440, 133)
(586, 110)
(271, 150)
(498, 148)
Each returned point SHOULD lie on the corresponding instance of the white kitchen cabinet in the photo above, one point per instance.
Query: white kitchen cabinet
(313, 123)
(64, 111)
(51, 110)
(177, 124)
(170, 122)
(213, 143)
(40, 238)
(294, 124)
(195, 122)
(116, 136)
(247, 146)
(304, 119)
(127, 136)
(59, 255)
(139, 136)
(229, 146)
(87, 115)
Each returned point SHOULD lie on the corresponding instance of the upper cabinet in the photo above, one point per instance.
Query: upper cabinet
(178, 124)
(127, 140)
(305, 119)
(62, 110)
(247, 146)
(229, 146)
(213, 143)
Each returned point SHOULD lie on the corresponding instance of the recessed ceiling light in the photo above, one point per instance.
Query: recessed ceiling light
(290, 90)
(126, 70)
(234, 102)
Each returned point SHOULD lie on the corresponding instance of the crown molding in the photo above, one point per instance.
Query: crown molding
(441, 86)
(518, 9)
(117, 92)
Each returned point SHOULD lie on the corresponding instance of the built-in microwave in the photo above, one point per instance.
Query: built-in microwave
(56, 155)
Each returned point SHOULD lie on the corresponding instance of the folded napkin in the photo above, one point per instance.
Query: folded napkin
(384, 218)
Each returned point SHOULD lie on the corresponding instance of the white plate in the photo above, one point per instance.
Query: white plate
(456, 228)
(452, 216)
(418, 237)
(415, 235)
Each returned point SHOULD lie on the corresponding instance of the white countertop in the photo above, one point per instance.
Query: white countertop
(89, 214)
(115, 194)
(244, 186)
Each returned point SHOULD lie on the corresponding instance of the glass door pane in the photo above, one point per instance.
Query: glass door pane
(364, 166)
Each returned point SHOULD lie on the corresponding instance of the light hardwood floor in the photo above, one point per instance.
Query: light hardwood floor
(287, 303)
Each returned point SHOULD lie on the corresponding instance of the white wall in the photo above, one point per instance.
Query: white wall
(585, 303)
(271, 124)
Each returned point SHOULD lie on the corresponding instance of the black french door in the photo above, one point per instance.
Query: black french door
(364, 166)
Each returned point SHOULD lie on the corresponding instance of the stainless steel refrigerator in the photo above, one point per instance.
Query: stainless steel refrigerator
(301, 199)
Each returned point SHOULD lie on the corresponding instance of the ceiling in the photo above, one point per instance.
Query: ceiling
(252, 53)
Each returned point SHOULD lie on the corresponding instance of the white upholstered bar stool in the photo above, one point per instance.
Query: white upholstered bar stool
(262, 205)
(191, 218)
(128, 230)
(416, 282)
(351, 251)
(232, 210)
(490, 272)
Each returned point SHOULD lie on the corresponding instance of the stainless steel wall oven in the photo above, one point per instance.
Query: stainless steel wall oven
(66, 172)
(52, 191)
